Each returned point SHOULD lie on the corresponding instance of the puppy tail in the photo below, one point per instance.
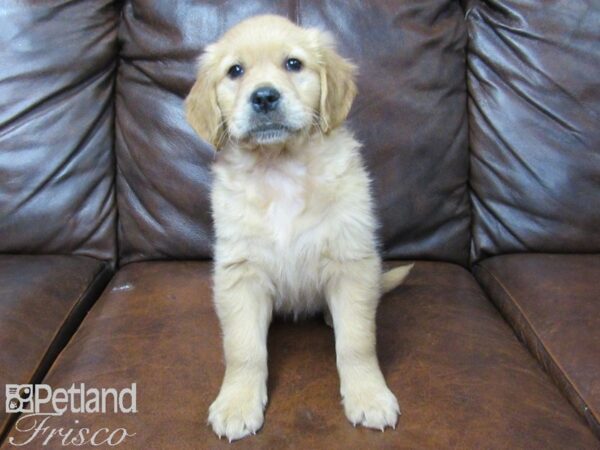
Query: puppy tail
(393, 278)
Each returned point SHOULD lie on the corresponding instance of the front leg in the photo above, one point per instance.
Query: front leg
(244, 308)
(353, 291)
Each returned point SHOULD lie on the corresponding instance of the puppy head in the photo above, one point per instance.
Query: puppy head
(267, 80)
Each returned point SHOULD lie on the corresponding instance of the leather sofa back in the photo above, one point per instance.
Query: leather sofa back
(57, 62)
(534, 106)
(410, 114)
(534, 126)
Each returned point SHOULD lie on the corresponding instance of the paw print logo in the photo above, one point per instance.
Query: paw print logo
(18, 398)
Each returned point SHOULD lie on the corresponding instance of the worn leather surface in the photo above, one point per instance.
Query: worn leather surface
(462, 378)
(410, 114)
(42, 300)
(553, 303)
(534, 109)
(57, 62)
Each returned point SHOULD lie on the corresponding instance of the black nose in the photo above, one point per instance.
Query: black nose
(265, 99)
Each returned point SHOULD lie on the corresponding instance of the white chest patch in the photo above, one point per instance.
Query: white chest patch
(285, 196)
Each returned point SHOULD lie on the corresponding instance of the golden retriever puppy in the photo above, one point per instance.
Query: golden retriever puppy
(294, 221)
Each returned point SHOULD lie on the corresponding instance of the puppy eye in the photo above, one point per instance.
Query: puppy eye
(293, 64)
(235, 71)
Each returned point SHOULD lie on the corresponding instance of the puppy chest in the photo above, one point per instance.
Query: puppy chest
(286, 205)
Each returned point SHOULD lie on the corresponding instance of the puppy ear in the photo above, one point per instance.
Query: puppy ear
(338, 88)
(201, 106)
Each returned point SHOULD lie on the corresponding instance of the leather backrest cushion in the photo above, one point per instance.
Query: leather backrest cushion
(410, 114)
(534, 83)
(57, 64)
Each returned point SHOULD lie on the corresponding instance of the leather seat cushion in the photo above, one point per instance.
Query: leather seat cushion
(42, 300)
(462, 377)
(553, 302)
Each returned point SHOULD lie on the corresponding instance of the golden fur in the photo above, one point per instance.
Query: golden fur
(293, 214)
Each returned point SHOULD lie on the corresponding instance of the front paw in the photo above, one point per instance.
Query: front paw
(238, 410)
(370, 405)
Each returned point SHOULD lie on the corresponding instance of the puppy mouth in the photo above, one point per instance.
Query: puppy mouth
(270, 133)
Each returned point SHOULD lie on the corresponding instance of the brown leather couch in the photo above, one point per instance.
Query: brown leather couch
(480, 124)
